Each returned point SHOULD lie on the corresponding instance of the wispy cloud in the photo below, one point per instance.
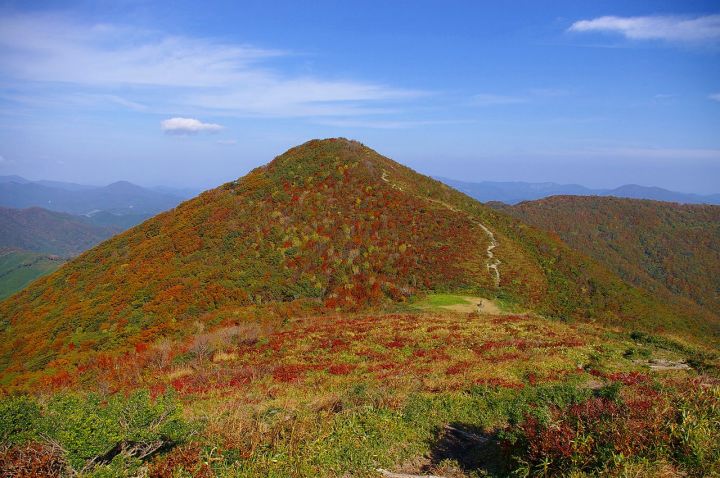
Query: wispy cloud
(715, 96)
(488, 99)
(533, 94)
(385, 124)
(199, 73)
(671, 28)
(185, 126)
(642, 153)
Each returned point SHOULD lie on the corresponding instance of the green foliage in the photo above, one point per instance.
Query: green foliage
(18, 420)
(113, 432)
(621, 428)
(697, 430)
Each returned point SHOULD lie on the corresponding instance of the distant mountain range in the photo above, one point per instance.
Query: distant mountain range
(120, 198)
(515, 192)
(44, 223)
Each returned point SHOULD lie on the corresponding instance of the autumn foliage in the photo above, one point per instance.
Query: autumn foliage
(328, 226)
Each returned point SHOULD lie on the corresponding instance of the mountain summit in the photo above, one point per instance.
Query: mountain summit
(330, 224)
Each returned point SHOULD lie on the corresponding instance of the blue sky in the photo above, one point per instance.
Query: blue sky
(197, 93)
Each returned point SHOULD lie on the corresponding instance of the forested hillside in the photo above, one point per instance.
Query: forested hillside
(39, 230)
(666, 248)
(330, 225)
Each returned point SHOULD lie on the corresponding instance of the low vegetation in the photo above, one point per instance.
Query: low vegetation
(445, 393)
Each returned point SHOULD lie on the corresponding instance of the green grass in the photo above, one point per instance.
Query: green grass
(438, 301)
(509, 304)
(19, 268)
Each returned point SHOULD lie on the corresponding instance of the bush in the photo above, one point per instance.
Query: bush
(18, 420)
(619, 426)
(116, 433)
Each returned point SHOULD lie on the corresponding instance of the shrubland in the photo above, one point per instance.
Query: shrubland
(445, 393)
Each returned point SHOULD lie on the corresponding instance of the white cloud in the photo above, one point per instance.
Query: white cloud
(486, 99)
(715, 96)
(673, 28)
(195, 74)
(185, 126)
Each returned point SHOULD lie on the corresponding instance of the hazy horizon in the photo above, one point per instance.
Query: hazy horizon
(200, 188)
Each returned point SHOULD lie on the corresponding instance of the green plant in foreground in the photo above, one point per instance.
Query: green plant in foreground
(115, 433)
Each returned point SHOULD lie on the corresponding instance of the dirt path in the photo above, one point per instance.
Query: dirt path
(475, 304)
(492, 262)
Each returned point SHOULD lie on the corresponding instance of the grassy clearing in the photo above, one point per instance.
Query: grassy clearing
(19, 268)
(438, 301)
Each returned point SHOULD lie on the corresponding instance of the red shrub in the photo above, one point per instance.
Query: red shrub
(585, 435)
(628, 378)
(395, 344)
(457, 368)
(184, 458)
(32, 460)
(289, 373)
(157, 389)
(341, 369)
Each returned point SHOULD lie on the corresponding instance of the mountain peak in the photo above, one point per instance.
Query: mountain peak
(330, 224)
(323, 154)
(123, 186)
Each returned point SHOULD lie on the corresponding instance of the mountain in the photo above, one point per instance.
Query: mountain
(515, 192)
(64, 185)
(14, 179)
(329, 225)
(35, 241)
(666, 248)
(119, 198)
(184, 193)
(114, 221)
(39, 230)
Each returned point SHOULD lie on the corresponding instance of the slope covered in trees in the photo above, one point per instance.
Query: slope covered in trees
(669, 249)
(329, 225)
(39, 230)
